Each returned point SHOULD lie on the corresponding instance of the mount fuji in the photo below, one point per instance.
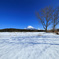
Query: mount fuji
(30, 28)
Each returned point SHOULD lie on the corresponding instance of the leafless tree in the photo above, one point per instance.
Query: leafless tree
(55, 18)
(45, 16)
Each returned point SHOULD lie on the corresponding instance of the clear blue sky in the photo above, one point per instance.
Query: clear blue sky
(21, 13)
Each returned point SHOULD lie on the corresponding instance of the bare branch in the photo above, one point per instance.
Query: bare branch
(45, 17)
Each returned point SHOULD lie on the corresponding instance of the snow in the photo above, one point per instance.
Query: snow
(30, 28)
(29, 45)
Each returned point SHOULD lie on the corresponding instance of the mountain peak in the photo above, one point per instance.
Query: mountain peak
(30, 27)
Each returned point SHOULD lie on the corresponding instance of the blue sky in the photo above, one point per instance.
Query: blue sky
(21, 13)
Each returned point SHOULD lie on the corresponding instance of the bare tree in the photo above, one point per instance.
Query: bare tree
(55, 18)
(45, 16)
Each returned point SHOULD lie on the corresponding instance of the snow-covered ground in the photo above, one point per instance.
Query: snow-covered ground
(29, 45)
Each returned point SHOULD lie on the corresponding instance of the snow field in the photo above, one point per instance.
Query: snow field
(29, 45)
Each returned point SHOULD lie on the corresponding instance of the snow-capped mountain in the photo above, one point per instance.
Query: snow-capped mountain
(30, 28)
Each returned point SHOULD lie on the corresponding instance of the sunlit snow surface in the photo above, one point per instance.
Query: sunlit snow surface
(29, 45)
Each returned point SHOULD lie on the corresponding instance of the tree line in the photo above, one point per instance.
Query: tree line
(48, 16)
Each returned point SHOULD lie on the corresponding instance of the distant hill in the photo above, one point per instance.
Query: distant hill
(19, 30)
(24, 30)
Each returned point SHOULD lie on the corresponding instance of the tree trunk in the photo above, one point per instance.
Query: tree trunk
(54, 28)
(46, 29)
